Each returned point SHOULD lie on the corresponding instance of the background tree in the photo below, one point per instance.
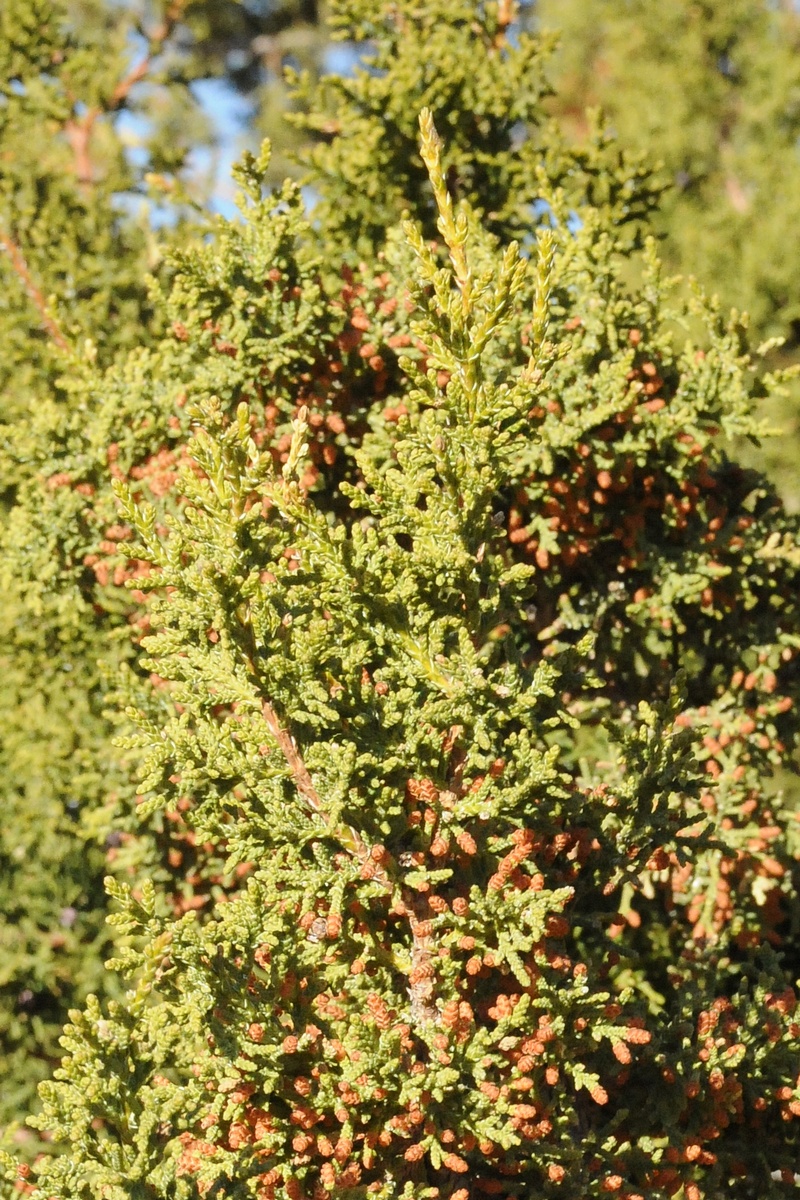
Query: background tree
(714, 92)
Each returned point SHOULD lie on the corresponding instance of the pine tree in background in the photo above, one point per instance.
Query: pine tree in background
(713, 90)
(473, 655)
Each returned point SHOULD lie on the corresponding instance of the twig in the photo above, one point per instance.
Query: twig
(421, 973)
(79, 132)
(350, 838)
(506, 13)
(295, 763)
(122, 90)
(20, 267)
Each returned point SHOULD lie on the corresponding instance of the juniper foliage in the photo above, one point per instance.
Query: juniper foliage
(76, 246)
(467, 660)
(78, 412)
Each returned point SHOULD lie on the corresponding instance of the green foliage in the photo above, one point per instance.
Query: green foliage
(454, 664)
(714, 92)
(76, 243)
(487, 80)
(51, 763)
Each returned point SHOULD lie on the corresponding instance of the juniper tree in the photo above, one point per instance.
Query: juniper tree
(483, 703)
(79, 412)
(607, 506)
